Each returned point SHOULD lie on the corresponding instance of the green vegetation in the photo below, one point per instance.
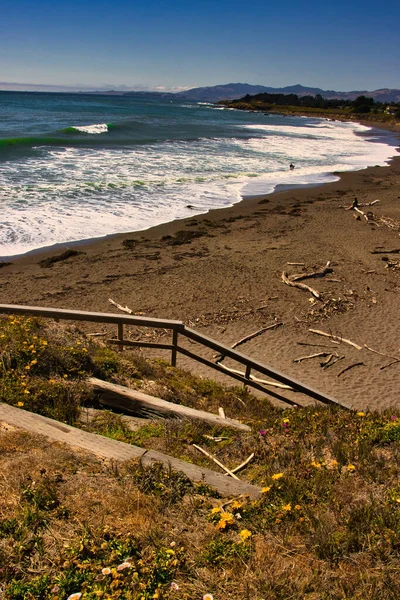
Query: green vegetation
(361, 107)
(326, 526)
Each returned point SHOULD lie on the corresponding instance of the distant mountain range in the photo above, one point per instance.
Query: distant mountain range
(231, 91)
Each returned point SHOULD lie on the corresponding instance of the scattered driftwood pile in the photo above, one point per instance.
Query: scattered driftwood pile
(331, 357)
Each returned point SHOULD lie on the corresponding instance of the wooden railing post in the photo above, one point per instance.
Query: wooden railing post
(247, 373)
(120, 336)
(174, 347)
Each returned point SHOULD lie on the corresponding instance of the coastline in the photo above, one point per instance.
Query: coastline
(223, 277)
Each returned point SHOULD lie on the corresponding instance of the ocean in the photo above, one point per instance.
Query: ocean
(80, 166)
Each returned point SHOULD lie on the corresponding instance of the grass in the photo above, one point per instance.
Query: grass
(327, 524)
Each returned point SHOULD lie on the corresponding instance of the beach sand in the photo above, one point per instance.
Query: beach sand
(225, 281)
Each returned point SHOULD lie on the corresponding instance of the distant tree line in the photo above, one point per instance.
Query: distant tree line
(362, 104)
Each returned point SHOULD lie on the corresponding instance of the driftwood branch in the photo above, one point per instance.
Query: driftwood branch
(243, 464)
(357, 364)
(337, 338)
(217, 462)
(321, 273)
(247, 338)
(301, 286)
(125, 309)
(298, 360)
(255, 334)
(394, 362)
(381, 353)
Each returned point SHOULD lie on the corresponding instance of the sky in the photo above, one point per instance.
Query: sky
(179, 44)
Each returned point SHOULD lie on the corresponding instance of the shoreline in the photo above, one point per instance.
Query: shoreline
(60, 246)
(46, 251)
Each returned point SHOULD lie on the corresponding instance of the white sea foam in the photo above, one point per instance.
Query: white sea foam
(66, 194)
(92, 129)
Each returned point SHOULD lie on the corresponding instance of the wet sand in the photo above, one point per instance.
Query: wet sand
(222, 276)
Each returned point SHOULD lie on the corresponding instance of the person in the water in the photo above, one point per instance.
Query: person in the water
(291, 166)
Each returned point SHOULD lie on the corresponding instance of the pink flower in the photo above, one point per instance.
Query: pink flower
(263, 432)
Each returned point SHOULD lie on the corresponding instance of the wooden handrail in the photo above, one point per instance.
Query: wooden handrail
(178, 327)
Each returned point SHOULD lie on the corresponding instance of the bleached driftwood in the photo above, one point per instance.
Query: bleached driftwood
(337, 338)
(357, 364)
(298, 360)
(256, 379)
(243, 464)
(122, 398)
(355, 206)
(217, 462)
(125, 309)
(301, 286)
(332, 361)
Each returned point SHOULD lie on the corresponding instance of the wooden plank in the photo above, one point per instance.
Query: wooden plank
(80, 315)
(125, 398)
(112, 449)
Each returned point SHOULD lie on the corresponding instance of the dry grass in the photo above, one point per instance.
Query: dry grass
(326, 527)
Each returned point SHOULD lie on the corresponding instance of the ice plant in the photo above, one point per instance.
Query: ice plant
(106, 571)
(208, 597)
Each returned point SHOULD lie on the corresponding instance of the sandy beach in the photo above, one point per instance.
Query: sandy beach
(221, 274)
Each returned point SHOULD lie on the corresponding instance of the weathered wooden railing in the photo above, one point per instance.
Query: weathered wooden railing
(179, 330)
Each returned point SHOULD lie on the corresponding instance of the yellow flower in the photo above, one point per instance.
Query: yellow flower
(297, 507)
(315, 464)
(334, 463)
(20, 404)
(244, 534)
(227, 518)
(26, 392)
(236, 504)
(266, 489)
(277, 476)
(208, 597)
(285, 421)
(34, 361)
(106, 571)
(361, 414)
(216, 510)
(52, 380)
(287, 507)
(351, 468)
(27, 367)
(75, 596)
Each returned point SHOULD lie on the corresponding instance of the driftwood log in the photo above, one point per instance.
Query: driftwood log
(336, 338)
(133, 401)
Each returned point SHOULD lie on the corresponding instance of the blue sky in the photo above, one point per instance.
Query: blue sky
(176, 44)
